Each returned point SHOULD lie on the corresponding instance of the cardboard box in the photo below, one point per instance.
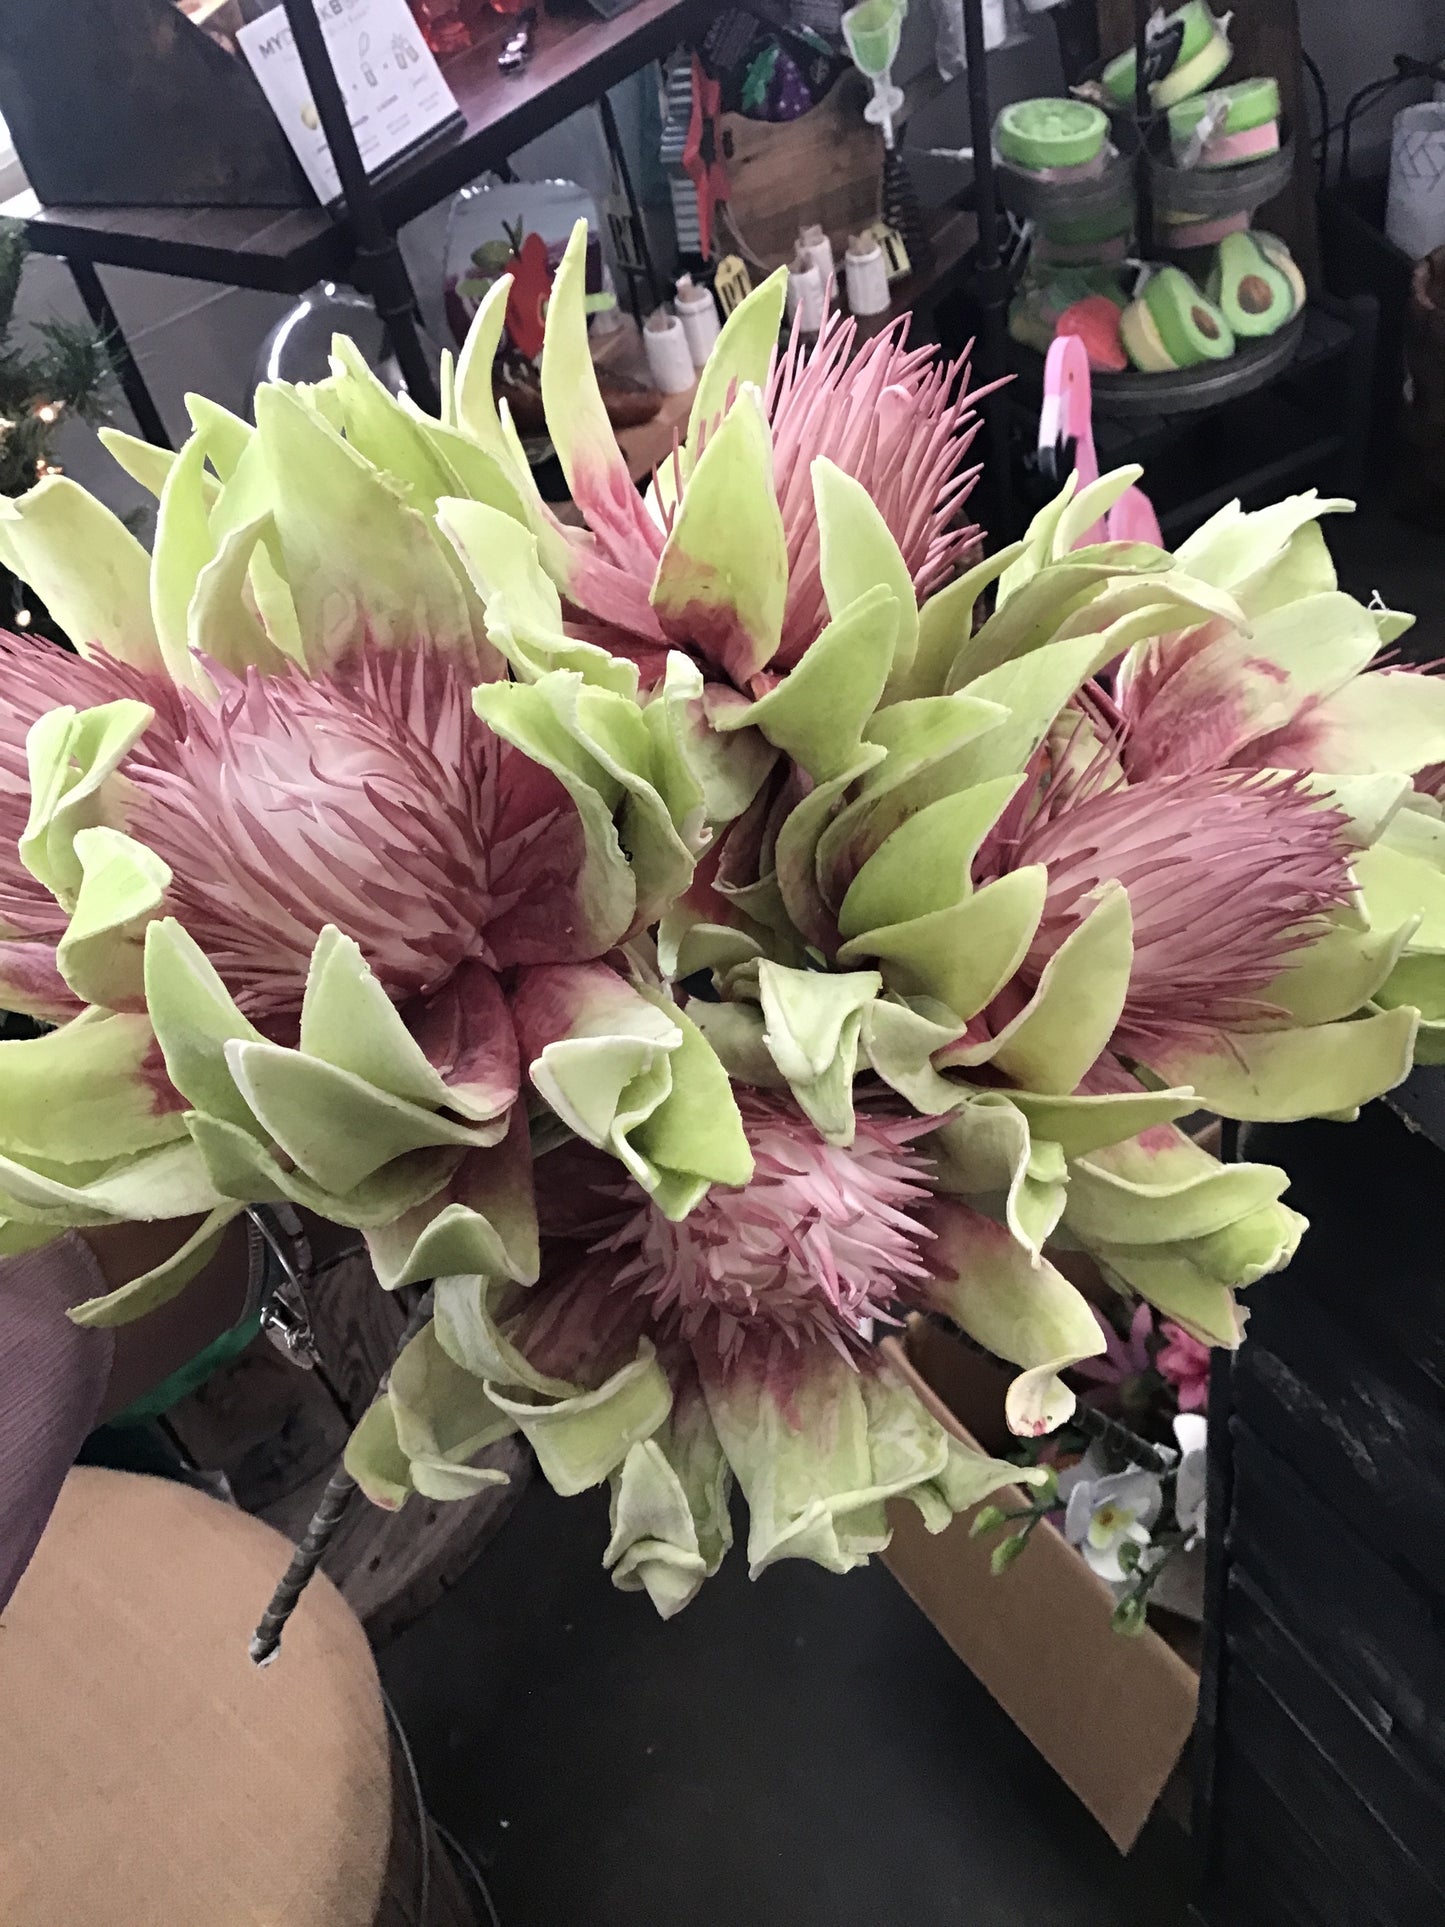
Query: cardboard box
(1111, 1714)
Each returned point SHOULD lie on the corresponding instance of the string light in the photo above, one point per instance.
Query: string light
(48, 411)
(23, 618)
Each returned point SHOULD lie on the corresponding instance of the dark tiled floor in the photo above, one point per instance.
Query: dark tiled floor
(804, 1752)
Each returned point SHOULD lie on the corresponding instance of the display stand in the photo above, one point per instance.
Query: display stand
(577, 57)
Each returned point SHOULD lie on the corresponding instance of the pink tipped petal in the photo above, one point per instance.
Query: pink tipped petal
(466, 1033)
(31, 984)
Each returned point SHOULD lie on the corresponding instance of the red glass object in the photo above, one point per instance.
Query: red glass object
(444, 26)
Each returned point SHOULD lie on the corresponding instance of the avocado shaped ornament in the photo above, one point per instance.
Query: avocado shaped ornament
(1280, 257)
(1189, 52)
(1172, 325)
(1227, 126)
(1254, 296)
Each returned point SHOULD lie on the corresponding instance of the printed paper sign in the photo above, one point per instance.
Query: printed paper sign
(390, 81)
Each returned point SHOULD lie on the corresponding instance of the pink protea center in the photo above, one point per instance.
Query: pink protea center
(1229, 873)
(372, 798)
(821, 1242)
(898, 422)
(888, 416)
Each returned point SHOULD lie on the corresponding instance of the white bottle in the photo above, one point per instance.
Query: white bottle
(867, 276)
(697, 311)
(815, 246)
(805, 295)
(669, 360)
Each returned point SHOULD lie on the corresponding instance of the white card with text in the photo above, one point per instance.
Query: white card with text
(393, 88)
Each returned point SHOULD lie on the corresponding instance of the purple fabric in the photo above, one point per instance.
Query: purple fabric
(52, 1381)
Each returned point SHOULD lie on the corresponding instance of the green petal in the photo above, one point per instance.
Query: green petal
(184, 546)
(473, 399)
(899, 1042)
(443, 1418)
(349, 1022)
(143, 461)
(799, 850)
(945, 623)
(1161, 1189)
(742, 354)
(524, 611)
(581, 1440)
(73, 754)
(964, 956)
(670, 1524)
(195, 1018)
(123, 885)
(1238, 550)
(697, 768)
(1016, 1306)
(926, 863)
(1061, 1033)
(817, 712)
(856, 553)
(629, 1072)
(722, 580)
(1281, 1076)
(1338, 974)
(1080, 1124)
(576, 414)
(813, 1023)
(240, 1167)
(335, 1128)
(468, 1332)
(483, 1221)
(360, 564)
(86, 567)
(376, 1461)
(1029, 619)
(219, 623)
(818, 1457)
(167, 1182)
(1388, 720)
(985, 1151)
(92, 1089)
(163, 1282)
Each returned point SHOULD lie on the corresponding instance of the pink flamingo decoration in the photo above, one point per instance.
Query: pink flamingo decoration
(1066, 440)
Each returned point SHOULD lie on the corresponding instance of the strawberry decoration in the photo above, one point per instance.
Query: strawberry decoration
(531, 287)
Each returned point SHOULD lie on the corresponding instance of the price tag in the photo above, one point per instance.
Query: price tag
(393, 88)
(732, 283)
(895, 254)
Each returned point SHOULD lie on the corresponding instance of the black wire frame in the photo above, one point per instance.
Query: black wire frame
(380, 266)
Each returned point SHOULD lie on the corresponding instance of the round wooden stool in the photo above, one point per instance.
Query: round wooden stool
(151, 1776)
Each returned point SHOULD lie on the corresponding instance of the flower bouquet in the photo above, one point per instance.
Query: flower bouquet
(688, 944)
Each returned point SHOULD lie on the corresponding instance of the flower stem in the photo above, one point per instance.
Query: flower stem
(311, 1549)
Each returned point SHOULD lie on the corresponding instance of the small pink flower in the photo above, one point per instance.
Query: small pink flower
(1184, 1361)
(1123, 1358)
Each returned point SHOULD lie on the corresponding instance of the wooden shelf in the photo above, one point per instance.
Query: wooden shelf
(578, 56)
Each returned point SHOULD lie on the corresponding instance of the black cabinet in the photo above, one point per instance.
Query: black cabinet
(1322, 1783)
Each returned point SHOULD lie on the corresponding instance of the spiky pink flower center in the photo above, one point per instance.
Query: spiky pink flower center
(821, 1242)
(1229, 873)
(372, 798)
(897, 421)
(890, 417)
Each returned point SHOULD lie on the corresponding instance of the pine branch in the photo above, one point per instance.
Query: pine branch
(13, 250)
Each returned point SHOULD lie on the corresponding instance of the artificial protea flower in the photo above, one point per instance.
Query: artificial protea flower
(669, 1358)
(729, 559)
